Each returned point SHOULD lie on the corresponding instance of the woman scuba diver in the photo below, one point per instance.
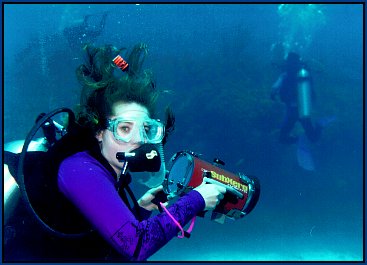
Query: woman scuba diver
(83, 189)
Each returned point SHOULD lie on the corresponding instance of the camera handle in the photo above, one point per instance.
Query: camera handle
(230, 189)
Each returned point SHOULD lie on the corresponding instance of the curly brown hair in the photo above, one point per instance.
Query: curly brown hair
(101, 88)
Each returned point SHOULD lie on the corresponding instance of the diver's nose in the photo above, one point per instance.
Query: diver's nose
(138, 140)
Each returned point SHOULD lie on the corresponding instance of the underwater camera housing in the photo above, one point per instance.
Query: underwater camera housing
(187, 171)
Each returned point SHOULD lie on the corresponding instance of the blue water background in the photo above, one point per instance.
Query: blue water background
(216, 64)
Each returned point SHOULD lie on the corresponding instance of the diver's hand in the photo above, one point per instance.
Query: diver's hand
(146, 200)
(212, 194)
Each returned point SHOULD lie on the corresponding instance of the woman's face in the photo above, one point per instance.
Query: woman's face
(110, 145)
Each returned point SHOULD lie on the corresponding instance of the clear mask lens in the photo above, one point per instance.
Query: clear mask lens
(144, 131)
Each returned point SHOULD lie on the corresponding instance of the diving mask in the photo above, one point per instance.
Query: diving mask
(127, 129)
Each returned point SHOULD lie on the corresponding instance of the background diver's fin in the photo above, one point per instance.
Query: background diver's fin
(304, 155)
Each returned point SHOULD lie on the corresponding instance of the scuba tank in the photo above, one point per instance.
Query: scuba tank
(11, 186)
(304, 93)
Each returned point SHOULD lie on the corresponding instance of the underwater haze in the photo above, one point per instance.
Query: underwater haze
(215, 64)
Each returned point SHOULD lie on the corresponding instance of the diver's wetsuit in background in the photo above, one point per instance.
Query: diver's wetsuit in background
(286, 87)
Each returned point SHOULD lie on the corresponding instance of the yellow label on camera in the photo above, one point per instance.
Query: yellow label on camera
(229, 181)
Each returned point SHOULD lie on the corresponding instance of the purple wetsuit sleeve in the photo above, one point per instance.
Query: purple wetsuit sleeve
(86, 183)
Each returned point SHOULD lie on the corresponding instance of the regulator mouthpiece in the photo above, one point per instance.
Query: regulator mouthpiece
(145, 158)
(120, 63)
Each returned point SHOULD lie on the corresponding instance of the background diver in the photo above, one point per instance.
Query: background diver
(87, 32)
(287, 88)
